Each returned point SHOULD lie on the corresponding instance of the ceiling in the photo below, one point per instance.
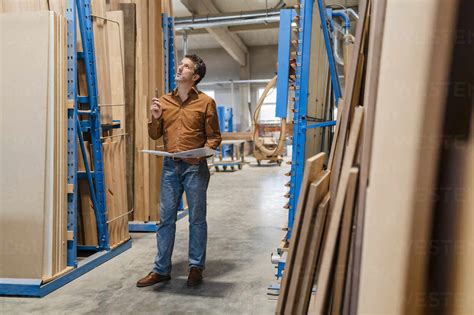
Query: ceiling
(259, 37)
(244, 37)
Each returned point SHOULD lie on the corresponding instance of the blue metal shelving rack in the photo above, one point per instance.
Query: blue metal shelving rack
(170, 84)
(34, 287)
(300, 87)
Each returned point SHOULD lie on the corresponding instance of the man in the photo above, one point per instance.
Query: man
(187, 119)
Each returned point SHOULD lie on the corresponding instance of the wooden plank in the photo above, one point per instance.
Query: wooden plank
(313, 167)
(323, 278)
(156, 82)
(340, 107)
(370, 96)
(299, 294)
(22, 219)
(318, 73)
(404, 218)
(88, 220)
(129, 11)
(58, 6)
(24, 5)
(344, 239)
(123, 191)
(141, 181)
(109, 188)
(320, 228)
(102, 65)
(115, 39)
(349, 95)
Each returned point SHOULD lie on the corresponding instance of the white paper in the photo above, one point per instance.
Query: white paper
(194, 153)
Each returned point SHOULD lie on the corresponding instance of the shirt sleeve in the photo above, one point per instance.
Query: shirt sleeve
(213, 132)
(155, 127)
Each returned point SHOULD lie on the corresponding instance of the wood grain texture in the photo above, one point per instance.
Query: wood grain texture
(101, 48)
(33, 216)
(370, 94)
(115, 40)
(403, 218)
(129, 11)
(324, 276)
(313, 167)
(351, 90)
(308, 247)
(343, 244)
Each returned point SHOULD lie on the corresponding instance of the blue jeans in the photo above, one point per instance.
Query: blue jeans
(179, 176)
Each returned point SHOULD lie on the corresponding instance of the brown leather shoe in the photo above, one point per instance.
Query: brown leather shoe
(151, 279)
(194, 277)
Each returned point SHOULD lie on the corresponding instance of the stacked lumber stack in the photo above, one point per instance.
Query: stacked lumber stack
(365, 228)
(33, 87)
(129, 56)
(144, 73)
(109, 48)
(319, 248)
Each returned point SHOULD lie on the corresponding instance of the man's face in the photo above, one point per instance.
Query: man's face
(185, 72)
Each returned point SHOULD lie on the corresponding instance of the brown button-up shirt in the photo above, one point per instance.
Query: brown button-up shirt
(186, 125)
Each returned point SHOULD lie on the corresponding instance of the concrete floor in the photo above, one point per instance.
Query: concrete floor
(245, 216)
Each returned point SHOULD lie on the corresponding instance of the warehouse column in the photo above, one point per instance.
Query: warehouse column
(245, 102)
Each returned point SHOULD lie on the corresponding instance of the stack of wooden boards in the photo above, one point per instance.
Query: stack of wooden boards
(33, 133)
(109, 48)
(144, 75)
(319, 246)
(365, 228)
(129, 47)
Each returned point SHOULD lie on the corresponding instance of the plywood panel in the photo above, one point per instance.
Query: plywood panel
(323, 279)
(403, 94)
(129, 11)
(313, 167)
(21, 224)
(305, 262)
(24, 5)
(156, 83)
(102, 65)
(343, 244)
(115, 38)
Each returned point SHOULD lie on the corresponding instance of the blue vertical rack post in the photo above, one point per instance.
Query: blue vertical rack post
(93, 125)
(71, 134)
(170, 84)
(35, 287)
(300, 108)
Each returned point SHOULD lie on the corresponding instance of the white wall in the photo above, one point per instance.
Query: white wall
(221, 67)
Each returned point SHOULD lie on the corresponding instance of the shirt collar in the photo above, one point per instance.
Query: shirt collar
(193, 90)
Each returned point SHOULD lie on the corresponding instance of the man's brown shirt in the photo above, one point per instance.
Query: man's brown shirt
(186, 125)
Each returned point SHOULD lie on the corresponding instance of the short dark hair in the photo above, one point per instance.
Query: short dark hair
(199, 66)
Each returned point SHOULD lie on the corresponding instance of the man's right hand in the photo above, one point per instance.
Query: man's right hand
(156, 109)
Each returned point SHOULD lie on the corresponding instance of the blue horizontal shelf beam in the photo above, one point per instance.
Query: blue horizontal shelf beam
(33, 287)
(83, 100)
(321, 125)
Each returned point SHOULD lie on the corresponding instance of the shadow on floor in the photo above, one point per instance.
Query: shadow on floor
(209, 288)
(214, 268)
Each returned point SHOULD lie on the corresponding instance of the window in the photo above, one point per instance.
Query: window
(267, 112)
(210, 93)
